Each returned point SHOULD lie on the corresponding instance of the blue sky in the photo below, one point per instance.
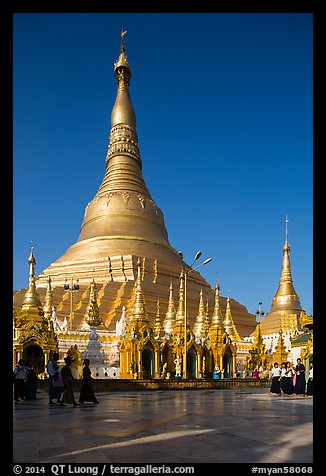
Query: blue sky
(224, 120)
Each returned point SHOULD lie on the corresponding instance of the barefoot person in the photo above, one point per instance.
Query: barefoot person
(276, 377)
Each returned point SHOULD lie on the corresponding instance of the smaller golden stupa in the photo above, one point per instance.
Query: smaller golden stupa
(286, 307)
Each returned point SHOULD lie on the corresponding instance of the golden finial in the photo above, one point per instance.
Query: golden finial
(122, 60)
(286, 227)
(122, 45)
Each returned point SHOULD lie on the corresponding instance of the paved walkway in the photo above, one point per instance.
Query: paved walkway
(189, 426)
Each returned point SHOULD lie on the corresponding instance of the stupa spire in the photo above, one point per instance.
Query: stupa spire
(122, 218)
(48, 302)
(181, 306)
(217, 319)
(32, 298)
(139, 314)
(228, 321)
(286, 296)
(123, 112)
(158, 327)
(169, 319)
(199, 326)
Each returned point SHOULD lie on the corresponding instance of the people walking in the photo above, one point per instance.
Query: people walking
(300, 383)
(309, 391)
(68, 384)
(86, 391)
(19, 381)
(276, 377)
(52, 369)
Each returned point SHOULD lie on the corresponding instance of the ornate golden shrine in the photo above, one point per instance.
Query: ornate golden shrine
(158, 351)
(33, 334)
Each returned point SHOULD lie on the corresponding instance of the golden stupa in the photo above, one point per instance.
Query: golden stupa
(286, 307)
(121, 224)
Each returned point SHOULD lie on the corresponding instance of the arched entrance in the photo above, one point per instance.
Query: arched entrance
(34, 353)
(191, 364)
(227, 363)
(147, 363)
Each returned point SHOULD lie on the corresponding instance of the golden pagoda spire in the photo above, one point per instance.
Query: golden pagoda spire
(181, 307)
(48, 302)
(207, 319)
(122, 218)
(228, 321)
(170, 315)
(217, 319)
(158, 327)
(32, 299)
(92, 315)
(258, 339)
(199, 326)
(178, 328)
(286, 298)
(216, 329)
(123, 112)
(139, 314)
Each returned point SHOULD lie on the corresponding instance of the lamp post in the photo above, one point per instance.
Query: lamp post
(259, 312)
(73, 286)
(208, 260)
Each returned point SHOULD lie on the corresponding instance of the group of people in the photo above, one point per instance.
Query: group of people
(62, 382)
(25, 381)
(291, 381)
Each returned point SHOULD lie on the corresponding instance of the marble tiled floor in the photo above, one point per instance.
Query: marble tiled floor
(182, 426)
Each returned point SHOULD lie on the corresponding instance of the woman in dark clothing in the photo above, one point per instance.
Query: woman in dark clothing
(86, 392)
(68, 384)
(31, 381)
(300, 382)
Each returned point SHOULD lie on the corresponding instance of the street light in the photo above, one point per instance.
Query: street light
(71, 288)
(208, 260)
(259, 312)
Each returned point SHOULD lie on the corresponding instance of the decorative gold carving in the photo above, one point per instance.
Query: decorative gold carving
(155, 271)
